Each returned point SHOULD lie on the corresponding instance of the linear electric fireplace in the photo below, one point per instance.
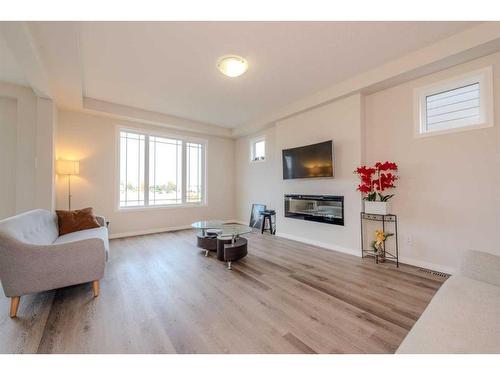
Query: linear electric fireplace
(320, 208)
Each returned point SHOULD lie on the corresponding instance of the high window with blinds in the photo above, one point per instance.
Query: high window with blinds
(160, 171)
(456, 104)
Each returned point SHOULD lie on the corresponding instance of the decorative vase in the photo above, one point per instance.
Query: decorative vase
(377, 207)
(381, 254)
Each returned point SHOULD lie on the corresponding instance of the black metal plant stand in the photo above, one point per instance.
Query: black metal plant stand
(391, 220)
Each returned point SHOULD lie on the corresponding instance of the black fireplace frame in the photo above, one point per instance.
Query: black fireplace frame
(314, 218)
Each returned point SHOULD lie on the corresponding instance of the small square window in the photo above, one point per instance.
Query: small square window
(456, 104)
(258, 149)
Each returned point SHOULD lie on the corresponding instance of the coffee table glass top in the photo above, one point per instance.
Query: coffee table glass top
(224, 230)
(208, 224)
(231, 230)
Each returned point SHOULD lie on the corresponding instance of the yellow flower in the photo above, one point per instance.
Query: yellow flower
(379, 237)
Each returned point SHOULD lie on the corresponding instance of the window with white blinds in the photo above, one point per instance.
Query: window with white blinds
(160, 171)
(452, 108)
(456, 104)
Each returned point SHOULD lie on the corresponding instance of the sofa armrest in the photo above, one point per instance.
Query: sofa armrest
(27, 268)
(481, 266)
(101, 220)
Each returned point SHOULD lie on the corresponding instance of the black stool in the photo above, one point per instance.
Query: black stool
(270, 215)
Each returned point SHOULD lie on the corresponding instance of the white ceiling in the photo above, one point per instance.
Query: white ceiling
(10, 71)
(170, 67)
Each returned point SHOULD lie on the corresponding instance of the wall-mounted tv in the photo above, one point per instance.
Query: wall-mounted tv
(310, 161)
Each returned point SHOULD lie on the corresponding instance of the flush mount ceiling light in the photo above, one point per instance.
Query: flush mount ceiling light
(232, 66)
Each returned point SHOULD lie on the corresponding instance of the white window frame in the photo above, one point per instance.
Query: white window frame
(482, 76)
(184, 139)
(253, 142)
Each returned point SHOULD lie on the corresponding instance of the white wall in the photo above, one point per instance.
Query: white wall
(8, 126)
(92, 140)
(263, 183)
(25, 145)
(33, 121)
(45, 154)
(448, 196)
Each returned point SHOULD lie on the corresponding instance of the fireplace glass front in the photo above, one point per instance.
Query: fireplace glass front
(320, 208)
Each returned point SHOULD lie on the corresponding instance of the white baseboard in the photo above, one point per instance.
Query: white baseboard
(404, 260)
(427, 265)
(323, 245)
(156, 230)
(147, 231)
(308, 241)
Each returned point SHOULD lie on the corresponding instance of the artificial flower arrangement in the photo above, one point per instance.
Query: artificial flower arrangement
(377, 179)
(377, 244)
(374, 181)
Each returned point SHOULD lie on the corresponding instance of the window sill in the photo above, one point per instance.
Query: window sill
(453, 130)
(164, 207)
(258, 161)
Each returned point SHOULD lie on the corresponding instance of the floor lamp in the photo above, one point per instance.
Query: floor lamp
(68, 168)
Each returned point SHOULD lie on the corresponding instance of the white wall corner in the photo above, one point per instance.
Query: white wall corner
(45, 150)
(21, 43)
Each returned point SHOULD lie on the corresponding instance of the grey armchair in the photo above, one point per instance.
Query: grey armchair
(34, 258)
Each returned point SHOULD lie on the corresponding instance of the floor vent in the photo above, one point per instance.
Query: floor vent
(435, 273)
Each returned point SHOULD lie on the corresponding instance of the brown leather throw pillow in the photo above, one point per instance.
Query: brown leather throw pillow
(73, 221)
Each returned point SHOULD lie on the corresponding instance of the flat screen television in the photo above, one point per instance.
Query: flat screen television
(310, 161)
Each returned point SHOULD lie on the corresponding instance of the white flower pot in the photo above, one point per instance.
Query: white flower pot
(377, 208)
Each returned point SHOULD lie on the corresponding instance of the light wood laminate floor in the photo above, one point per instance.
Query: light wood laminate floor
(160, 294)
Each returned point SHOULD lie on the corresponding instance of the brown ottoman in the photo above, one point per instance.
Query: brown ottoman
(235, 251)
(220, 247)
(207, 242)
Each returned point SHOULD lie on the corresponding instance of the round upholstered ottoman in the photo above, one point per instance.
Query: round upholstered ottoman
(220, 247)
(235, 251)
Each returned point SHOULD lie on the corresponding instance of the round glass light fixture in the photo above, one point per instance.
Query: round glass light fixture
(232, 66)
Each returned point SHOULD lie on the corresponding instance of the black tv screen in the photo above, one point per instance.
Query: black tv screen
(308, 161)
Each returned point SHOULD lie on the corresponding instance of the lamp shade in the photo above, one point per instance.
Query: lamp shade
(68, 167)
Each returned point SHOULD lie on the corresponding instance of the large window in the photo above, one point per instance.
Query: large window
(194, 175)
(456, 104)
(160, 171)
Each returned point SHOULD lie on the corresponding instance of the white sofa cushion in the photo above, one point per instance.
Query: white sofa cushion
(38, 227)
(101, 232)
(463, 317)
(481, 266)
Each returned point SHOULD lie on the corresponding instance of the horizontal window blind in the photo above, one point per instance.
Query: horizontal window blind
(453, 108)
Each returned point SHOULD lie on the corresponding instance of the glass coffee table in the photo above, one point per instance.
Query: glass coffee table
(225, 239)
(205, 225)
